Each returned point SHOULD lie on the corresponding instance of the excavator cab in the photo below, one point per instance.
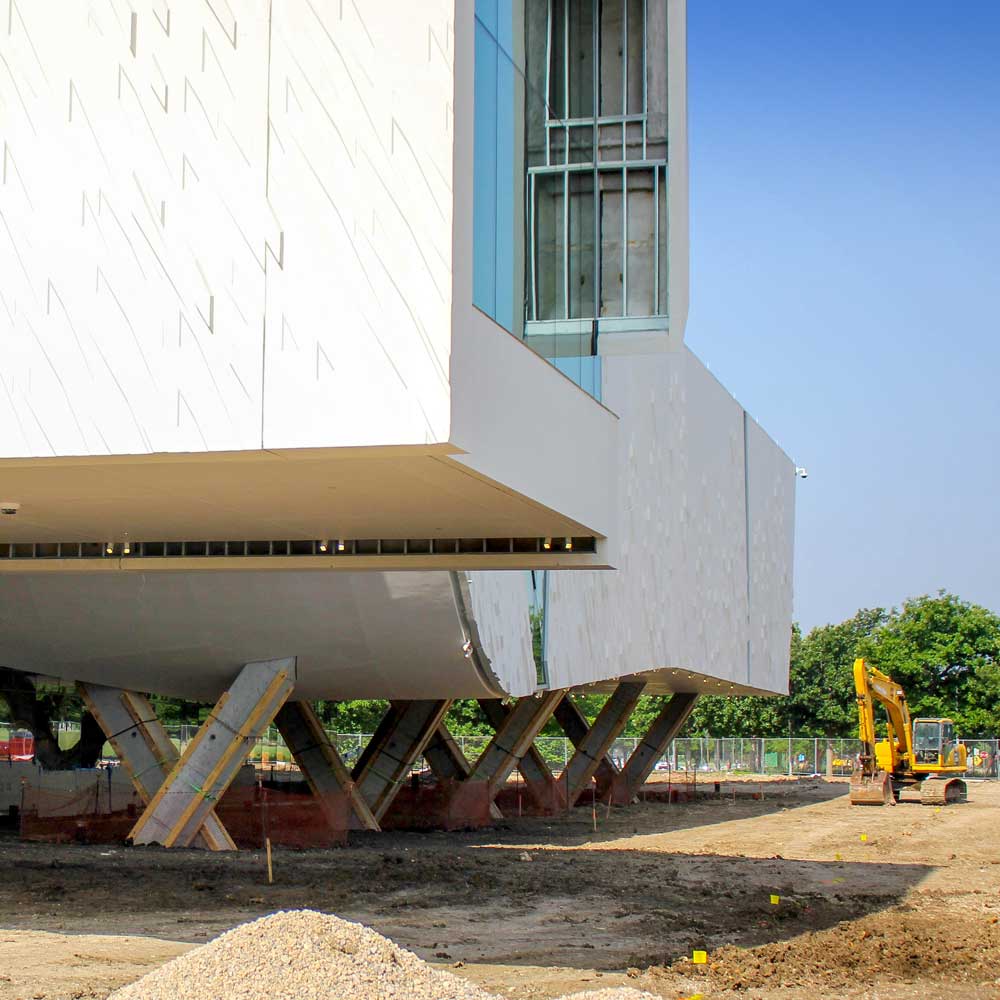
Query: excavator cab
(935, 746)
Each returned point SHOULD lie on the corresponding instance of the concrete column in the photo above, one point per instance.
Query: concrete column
(640, 764)
(591, 750)
(320, 763)
(538, 777)
(389, 722)
(446, 760)
(145, 750)
(576, 727)
(514, 738)
(213, 758)
(400, 739)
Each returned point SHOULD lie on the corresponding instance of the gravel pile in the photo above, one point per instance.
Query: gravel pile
(304, 955)
(300, 955)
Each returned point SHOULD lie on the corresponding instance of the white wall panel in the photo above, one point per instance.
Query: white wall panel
(772, 530)
(500, 610)
(359, 181)
(131, 230)
(679, 598)
(175, 174)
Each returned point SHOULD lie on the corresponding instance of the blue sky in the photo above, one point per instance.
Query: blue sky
(845, 262)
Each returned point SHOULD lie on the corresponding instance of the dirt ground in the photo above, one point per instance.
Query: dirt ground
(537, 908)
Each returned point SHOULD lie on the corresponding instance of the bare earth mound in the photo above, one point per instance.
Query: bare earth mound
(895, 947)
(305, 955)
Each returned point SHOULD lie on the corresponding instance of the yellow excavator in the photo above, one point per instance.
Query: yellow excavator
(920, 753)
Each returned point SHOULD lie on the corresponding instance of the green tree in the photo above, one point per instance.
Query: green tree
(821, 699)
(359, 716)
(944, 652)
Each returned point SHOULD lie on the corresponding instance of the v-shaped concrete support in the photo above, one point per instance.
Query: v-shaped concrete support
(593, 745)
(212, 759)
(538, 778)
(513, 739)
(320, 763)
(400, 739)
(145, 750)
(668, 723)
(574, 724)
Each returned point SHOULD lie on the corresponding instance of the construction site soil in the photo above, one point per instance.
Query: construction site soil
(796, 895)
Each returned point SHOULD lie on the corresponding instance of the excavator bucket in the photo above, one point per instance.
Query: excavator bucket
(871, 789)
(942, 791)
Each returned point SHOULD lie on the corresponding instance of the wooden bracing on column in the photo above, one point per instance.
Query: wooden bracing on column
(593, 745)
(145, 750)
(400, 739)
(320, 763)
(513, 739)
(212, 759)
(665, 727)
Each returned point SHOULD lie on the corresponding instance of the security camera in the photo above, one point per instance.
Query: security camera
(9, 507)
(801, 473)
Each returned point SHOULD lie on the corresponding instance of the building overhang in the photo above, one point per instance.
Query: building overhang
(380, 508)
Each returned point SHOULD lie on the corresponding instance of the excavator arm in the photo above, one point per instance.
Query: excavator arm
(872, 685)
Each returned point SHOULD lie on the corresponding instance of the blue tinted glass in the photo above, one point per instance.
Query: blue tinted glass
(584, 371)
(494, 162)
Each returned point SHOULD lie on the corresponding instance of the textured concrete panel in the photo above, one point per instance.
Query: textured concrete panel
(680, 597)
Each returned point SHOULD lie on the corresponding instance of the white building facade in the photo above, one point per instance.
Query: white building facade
(323, 325)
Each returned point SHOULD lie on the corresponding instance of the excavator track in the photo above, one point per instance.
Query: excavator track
(942, 791)
(871, 789)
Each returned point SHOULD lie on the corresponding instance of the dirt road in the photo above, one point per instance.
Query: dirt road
(895, 903)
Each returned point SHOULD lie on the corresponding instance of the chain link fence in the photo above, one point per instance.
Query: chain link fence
(730, 755)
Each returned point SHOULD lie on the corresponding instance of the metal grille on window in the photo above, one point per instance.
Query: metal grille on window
(596, 153)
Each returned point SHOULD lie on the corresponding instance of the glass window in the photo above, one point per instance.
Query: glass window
(496, 165)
